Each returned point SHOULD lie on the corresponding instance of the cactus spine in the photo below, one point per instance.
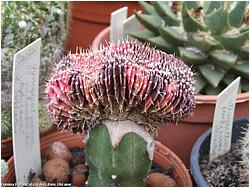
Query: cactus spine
(119, 94)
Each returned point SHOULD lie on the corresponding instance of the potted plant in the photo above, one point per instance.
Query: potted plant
(91, 17)
(162, 156)
(119, 95)
(231, 169)
(162, 22)
(22, 23)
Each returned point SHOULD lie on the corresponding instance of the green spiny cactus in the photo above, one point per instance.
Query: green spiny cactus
(22, 23)
(6, 129)
(4, 168)
(210, 36)
(119, 95)
(244, 155)
(6, 121)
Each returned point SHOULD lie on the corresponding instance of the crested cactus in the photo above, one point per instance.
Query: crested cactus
(212, 37)
(119, 95)
(4, 168)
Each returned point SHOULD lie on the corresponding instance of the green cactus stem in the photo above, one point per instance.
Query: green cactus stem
(126, 164)
(4, 168)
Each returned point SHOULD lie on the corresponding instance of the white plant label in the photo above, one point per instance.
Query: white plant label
(117, 19)
(131, 24)
(223, 121)
(25, 122)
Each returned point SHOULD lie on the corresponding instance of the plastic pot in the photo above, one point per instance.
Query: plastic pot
(7, 145)
(162, 156)
(202, 147)
(181, 138)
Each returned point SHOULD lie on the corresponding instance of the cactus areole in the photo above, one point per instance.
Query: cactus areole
(119, 94)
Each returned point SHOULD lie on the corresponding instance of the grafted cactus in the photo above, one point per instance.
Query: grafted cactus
(128, 89)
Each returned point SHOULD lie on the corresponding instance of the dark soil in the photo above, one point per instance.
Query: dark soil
(224, 171)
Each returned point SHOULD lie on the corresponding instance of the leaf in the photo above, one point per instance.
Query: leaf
(147, 8)
(237, 14)
(190, 23)
(242, 70)
(143, 35)
(172, 35)
(192, 57)
(245, 85)
(200, 83)
(210, 90)
(212, 74)
(203, 42)
(217, 21)
(209, 6)
(228, 78)
(224, 59)
(233, 42)
(166, 13)
(243, 52)
(191, 4)
(151, 22)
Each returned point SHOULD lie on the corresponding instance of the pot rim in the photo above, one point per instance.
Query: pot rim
(195, 154)
(200, 99)
(163, 152)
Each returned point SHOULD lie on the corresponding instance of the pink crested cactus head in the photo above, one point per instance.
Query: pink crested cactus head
(124, 81)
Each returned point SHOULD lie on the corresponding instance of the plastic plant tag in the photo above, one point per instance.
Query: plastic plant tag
(25, 122)
(131, 24)
(223, 121)
(116, 22)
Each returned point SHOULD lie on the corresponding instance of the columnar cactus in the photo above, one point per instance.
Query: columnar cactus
(210, 36)
(128, 89)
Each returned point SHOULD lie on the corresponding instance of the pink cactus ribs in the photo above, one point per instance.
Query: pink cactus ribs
(127, 80)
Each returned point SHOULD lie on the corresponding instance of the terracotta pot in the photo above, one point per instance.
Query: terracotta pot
(162, 156)
(7, 145)
(181, 138)
(89, 18)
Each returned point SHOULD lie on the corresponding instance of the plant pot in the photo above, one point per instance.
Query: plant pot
(202, 147)
(162, 156)
(89, 18)
(7, 145)
(181, 138)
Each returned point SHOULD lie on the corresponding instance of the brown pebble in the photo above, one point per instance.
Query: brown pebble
(37, 182)
(157, 179)
(56, 171)
(78, 175)
(58, 150)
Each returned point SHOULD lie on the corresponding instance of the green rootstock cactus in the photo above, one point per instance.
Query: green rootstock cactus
(212, 37)
(119, 95)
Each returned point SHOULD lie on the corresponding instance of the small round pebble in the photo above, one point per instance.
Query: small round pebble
(56, 171)
(157, 179)
(78, 175)
(58, 150)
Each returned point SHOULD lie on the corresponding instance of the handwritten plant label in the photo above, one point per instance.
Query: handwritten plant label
(223, 121)
(25, 122)
(116, 22)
